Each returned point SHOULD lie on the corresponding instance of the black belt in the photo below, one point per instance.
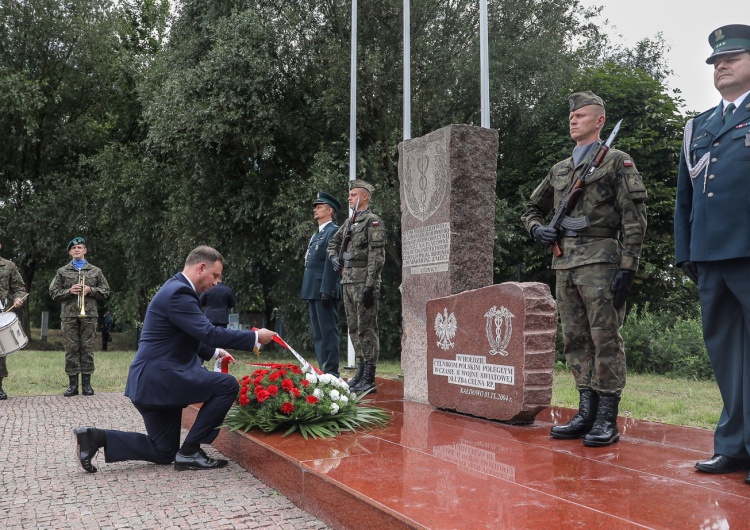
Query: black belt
(593, 231)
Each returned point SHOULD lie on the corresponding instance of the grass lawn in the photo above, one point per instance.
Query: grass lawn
(37, 371)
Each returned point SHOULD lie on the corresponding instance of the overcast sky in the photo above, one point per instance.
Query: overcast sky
(686, 27)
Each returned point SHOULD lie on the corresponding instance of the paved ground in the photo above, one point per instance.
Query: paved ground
(42, 486)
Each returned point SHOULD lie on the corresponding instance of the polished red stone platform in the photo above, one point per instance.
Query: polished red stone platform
(434, 469)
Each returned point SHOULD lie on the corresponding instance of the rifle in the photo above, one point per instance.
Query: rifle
(347, 237)
(568, 202)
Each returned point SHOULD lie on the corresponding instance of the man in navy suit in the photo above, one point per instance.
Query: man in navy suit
(216, 303)
(167, 375)
(321, 287)
(712, 239)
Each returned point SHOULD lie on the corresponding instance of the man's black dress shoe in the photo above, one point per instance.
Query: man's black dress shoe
(722, 464)
(86, 447)
(198, 460)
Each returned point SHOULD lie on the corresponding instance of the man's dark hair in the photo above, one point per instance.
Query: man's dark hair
(204, 253)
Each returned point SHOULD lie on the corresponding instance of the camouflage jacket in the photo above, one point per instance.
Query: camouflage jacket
(613, 200)
(11, 284)
(365, 254)
(68, 276)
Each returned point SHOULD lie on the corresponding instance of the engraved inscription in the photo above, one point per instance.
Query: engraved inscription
(473, 371)
(427, 248)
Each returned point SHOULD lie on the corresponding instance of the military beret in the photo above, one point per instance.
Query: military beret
(76, 241)
(358, 183)
(733, 38)
(326, 198)
(582, 99)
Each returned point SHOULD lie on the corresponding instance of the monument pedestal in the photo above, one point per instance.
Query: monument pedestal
(448, 182)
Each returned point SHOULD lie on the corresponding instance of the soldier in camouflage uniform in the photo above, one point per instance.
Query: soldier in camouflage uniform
(596, 269)
(11, 289)
(362, 264)
(78, 332)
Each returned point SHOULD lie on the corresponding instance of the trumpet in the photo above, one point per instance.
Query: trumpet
(82, 295)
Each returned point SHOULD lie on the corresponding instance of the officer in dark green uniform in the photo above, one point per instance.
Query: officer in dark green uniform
(321, 287)
(361, 262)
(12, 293)
(712, 238)
(78, 281)
(596, 269)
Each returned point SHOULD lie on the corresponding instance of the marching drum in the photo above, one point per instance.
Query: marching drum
(12, 337)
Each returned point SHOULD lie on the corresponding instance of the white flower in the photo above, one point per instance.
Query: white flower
(318, 393)
(326, 379)
(334, 408)
(344, 400)
(334, 395)
(311, 377)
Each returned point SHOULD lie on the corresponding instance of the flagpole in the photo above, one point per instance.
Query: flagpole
(407, 70)
(484, 64)
(352, 141)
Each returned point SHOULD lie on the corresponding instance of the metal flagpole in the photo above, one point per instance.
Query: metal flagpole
(484, 64)
(407, 70)
(352, 141)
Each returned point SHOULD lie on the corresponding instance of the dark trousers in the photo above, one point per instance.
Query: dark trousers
(724, 289)
(325, 333)
(162, 439)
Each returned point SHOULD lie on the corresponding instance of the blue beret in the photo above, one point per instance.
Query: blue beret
(76, 241)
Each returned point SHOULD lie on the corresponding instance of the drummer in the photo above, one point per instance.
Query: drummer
(12, 292)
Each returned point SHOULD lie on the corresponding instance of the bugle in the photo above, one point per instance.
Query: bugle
(82, 295)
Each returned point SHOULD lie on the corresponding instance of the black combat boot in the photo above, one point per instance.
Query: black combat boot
(72, 389)
(3, 395)
(604, 432)
(353, 381)
(583, 421)
(86, 389)
(367, 383)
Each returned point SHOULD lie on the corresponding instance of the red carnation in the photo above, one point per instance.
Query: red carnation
(287, 408)
(312, 400)
(262, 396)
(272, 389)
(287, 384)
(305, 383)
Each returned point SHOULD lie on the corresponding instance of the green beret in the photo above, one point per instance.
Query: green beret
(582, 99)
(358, 183)
(76, 241)
(734, 38)
(326, 198)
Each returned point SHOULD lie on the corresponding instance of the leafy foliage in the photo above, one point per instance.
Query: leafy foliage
(282, 396)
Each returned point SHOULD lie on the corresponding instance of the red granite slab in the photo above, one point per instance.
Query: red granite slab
(436, 469)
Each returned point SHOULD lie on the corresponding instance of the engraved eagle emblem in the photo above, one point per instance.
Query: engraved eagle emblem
(445, 327)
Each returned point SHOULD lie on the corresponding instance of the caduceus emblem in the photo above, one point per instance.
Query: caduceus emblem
(445, 327)
(499, 329)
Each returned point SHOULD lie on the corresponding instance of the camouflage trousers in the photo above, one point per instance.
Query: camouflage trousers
(362, 323)
(3, 367)
(591, 327)
(78, 336)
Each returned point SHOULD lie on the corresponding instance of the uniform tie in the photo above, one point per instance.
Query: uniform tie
(728, 112)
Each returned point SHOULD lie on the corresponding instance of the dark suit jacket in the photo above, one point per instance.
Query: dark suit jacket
(167, 370)
(320, 278)
(714, 224)
(217, 301)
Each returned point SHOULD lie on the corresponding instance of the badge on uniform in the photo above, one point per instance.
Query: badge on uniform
(627, 163)
(375, 223)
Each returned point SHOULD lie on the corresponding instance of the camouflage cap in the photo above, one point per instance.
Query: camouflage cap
(582, 99)
(327, 198)
(358, 183)
(76, 241)
(734, 38)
